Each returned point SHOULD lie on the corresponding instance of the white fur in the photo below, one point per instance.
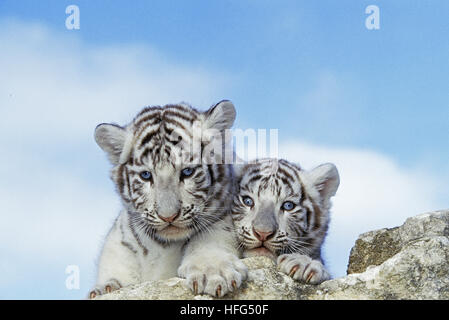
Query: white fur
(119, 262)
(210, 259)
(213, 263)
(308, 270)
(127, 148)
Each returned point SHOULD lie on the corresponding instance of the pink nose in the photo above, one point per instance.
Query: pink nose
(171, 218)
(262, 236)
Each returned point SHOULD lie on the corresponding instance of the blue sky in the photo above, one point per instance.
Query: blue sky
(375, 102)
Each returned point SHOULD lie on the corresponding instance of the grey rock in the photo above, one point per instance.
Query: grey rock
(406, 262)
(375, 247)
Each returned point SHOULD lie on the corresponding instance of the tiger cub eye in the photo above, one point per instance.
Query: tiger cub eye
(145, 175)
(187, 172)
(288, 206)
(247, 201)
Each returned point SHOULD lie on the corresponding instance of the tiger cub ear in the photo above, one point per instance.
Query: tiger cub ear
(326, 180)
(115, 141)
(221, 116)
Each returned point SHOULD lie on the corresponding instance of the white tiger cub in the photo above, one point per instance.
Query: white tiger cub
(282, 212)
(176, 218)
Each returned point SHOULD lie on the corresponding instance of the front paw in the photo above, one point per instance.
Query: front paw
(108, 287)
(213, 275)
(303, 268)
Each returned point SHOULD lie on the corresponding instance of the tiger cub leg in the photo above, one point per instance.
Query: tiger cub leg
(118, 265)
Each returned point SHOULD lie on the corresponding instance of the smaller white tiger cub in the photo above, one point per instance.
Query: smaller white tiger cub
(282, 211)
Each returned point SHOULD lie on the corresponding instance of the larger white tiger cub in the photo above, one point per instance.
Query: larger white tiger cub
(282, 212)
(176, 218)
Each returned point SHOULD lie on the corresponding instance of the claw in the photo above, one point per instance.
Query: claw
(309, 277)
(195, 287)
(234, 284)
(218, 292)
(293, 270)
(108, 289)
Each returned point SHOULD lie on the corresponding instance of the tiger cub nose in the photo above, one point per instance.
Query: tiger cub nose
(169, 219)
(262, 236)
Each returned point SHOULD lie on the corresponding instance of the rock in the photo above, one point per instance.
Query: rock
(406, 262)
(264, 282)
(375, 247)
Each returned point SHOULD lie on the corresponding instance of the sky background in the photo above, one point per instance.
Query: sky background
(374, 102)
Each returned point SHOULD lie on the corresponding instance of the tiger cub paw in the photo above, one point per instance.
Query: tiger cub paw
(302, 268)
(108, 287)
(214, 276)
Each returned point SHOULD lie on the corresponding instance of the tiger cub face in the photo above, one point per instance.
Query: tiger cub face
(169, 190)
(279, 208)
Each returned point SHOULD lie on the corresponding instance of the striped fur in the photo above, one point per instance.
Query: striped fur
(171, 220)
(160, 135)
(265, 227)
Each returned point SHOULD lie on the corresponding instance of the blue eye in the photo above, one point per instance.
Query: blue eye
(247, 201)
(288, 205)
(187, 172)
(145, 175)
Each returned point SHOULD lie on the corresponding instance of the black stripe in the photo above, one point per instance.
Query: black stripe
(285, 173)
(191, 111)
(287, 183)
(129, 246)
(173, 113)
(154, 113)
(147, 138)
(120, 180)
(144, 154)
(127, 180)
(179, 125)
(211, 174)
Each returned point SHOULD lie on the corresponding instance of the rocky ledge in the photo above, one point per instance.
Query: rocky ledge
(406, 262)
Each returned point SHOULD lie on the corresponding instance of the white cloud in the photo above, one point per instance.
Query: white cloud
(60, 87)
(51, 217)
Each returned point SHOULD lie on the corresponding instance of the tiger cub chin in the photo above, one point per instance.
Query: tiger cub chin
(282, 211)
